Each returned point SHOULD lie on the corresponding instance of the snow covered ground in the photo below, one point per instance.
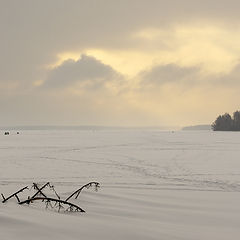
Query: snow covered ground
(154, 184)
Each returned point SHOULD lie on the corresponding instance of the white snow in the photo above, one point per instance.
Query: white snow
(154, 184)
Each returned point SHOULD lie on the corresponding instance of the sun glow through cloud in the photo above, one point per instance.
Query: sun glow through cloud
(213, 48)
(205, 52)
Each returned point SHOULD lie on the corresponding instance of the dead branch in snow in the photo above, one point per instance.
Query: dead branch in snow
(39, 190)
(58, 203)
(88, 185)
(54, 203)
(13, 195)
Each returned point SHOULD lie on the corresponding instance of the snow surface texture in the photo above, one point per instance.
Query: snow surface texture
(154, 184)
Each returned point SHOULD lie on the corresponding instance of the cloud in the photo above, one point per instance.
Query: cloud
(86, 71)
(163, 47)
(168, 74)
(230, 80)
(188, 77)
(34, 33)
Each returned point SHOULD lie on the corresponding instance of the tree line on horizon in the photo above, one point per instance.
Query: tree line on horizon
(227, 123)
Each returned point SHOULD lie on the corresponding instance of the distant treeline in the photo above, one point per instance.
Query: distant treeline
(227, 123)
(197, 127)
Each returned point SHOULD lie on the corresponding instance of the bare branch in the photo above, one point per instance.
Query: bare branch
(14, 194)
(3, 196)
(57, 201)
(53, 189)
(88, 185)
(17, 197)
(39, 189)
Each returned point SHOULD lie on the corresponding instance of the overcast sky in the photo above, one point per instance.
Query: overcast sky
(118, 62)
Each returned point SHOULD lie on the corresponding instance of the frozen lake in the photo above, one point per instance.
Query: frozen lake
(154, 184)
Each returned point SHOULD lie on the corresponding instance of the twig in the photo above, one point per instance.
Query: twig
(3, 196)
(39, 189)
(53, 189)
(77, 192)
(58, 201)
(14, 194)
(17, 198)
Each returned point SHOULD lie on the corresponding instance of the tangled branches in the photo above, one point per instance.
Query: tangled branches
(53, 203)
(58, 203)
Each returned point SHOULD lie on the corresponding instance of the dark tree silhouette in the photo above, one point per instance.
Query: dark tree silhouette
(227, 123)
(236, 121)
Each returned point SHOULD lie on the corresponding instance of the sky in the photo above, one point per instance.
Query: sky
(118, 62)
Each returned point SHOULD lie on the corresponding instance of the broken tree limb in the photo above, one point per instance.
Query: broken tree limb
(39, 189)
(72, 206)
(54, 203)
(17, 198)
(53, 189)
(77, 192)
(3, 197)
(14, 194)
(35, 186)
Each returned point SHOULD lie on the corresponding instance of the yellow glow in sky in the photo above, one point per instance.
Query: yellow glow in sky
(61, 57)
(215, 50)
(212, 48)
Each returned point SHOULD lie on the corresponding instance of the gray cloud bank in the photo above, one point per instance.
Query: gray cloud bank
(85, 70)
(34, 32)
(169, 73)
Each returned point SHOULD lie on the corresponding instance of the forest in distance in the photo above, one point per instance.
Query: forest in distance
(226, 122)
